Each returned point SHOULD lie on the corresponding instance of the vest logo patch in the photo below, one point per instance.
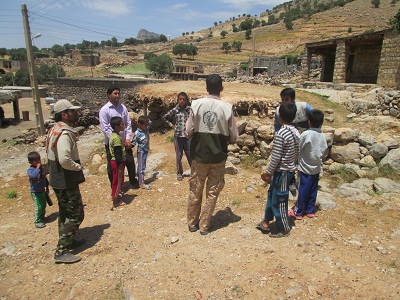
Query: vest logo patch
(210, 118)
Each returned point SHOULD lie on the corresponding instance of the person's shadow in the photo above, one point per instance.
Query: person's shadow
(223, 218)
(152, 178)
(92, 235)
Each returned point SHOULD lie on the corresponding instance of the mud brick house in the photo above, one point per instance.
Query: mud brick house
(367, 58)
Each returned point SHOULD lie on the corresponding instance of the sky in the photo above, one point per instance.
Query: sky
(71, 21)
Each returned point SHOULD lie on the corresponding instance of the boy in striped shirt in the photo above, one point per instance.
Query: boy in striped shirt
(280, 171)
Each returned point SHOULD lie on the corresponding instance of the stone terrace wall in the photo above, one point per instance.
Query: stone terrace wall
(94, 89)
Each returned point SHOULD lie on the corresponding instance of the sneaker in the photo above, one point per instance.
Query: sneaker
(311, 215)
(40, 225)
(204, 232)
(66, 258)
(279, 234)
(293, 215)
(179, 177)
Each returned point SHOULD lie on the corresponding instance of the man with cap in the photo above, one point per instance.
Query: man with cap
(65, 176)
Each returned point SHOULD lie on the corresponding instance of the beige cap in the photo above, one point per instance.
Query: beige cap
(63, 104)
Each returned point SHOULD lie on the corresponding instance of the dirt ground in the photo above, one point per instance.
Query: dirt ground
(145, 251)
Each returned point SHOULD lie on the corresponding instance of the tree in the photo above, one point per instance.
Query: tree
(6, 79)
(191, 50)
(263, 23)
(149, 55)
(395, 22)
(223, 33)
(288, 24)
(160, 65)
(114, 41)
(3, 52)
(21, 78)
(248, 34)
(237, 45)
(226, 47)
(376, 3)
(58, 50)
(48, 73)
(17, 54)
(246, 24)
(215, 23)
(179, 49)
(163, 38)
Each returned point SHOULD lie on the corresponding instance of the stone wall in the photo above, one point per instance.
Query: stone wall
(366, 64)
(94, 89)
(389, 69)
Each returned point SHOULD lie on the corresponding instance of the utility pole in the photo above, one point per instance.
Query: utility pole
(32, 72)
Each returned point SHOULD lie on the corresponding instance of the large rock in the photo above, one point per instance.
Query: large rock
(345, 153)
(385, 185)
(266, 132)
(246, 140)
(325, 201)
(378, 150)
(252, 126)
(388, 141)
(392, 159)
(367, 161)
(366, 140)
(345, 135)
(265, 149)
(230, 168)
(241, 125)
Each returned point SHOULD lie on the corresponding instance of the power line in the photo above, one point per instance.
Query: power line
(72, 25)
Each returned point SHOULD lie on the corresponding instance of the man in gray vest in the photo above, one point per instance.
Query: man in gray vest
(65, 176)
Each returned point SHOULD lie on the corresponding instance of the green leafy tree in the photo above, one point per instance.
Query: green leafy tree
(3, 52)
(256, 23)
(223, 33)
(395, 22)
(215, 23)
(58, 50)
(263, 23)
(237, 45)
(226, 47)
(288, 24)
(246, 24)
(272, 20)
(160, 65)
(191, 50)
(48, 73)
(17, 54)
(179, 49)
(6, 79)
(149, 55)
(376, 3)
(248, 34)
(21, 78)
(163, 38)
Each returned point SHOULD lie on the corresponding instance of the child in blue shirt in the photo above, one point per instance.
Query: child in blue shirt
(39, 187)
(142, 139)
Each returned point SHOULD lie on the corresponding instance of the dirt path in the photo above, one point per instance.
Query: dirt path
(144, 250)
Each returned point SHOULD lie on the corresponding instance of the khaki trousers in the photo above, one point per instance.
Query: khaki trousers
(199, 215)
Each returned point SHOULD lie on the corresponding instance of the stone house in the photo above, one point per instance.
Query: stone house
(372, 58)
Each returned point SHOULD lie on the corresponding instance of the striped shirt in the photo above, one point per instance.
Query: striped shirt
(285, 150)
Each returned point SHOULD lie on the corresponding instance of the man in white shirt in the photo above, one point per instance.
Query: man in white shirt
(114, 108)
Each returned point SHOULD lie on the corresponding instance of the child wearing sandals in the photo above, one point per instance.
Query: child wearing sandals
(280, 171)
(142, 139)
(118, 160)
(312, 148)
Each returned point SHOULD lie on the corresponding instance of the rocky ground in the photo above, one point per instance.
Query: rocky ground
(144, 250)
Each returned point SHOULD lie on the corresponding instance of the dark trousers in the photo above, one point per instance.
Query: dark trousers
(308, 189)
(181, 144)
(277, 202)
(130, 165)
(70, 216)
